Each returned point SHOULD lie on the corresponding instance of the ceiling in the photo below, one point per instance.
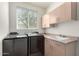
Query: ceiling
(41, 4)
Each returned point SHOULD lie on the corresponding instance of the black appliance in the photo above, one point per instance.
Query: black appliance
(15, 45)
(36, 45)
(23, 45)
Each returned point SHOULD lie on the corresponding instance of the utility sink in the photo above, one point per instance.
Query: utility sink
(61, 38)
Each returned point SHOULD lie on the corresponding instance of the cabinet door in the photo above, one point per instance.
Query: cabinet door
(45, 21)
(71, 49)
(70, 9)
(63, 12)
(59, 12)
(58, 49)
(53, 19)
(74, 10)
(47, 53)
(20, 47)
(48, 48)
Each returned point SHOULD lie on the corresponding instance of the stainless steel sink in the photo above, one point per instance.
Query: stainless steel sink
(61, 38)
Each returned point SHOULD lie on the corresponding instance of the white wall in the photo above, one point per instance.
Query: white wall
(4, 22)
(12, 10)
(70, 28)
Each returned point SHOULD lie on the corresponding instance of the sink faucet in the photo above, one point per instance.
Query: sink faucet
(62, 35)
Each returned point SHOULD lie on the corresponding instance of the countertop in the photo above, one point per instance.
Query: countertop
(57, 38)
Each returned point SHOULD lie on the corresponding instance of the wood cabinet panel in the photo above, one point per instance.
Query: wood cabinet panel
(74, 11)
(45, 21)
(54, 48)
(58, 49)
(65, 12)
(71, 49)
(48, 48)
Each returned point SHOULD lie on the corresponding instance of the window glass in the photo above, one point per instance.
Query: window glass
(26, 18)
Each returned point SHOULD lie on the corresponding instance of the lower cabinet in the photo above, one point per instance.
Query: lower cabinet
(54, 48)
(58, 49)
(48, 48)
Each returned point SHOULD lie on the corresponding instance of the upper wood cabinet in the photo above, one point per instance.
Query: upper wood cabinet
(48, 19)
(53, 19)
(65, 12)
(45, 21)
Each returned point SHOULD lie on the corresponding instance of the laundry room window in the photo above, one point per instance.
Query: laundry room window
(26, 18)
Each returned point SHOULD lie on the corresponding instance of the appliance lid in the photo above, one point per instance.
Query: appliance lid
(16, 36)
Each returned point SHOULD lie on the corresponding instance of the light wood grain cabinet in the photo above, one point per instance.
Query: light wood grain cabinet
(58, 49)
(65, 12)
(54, 48)
(48, 48)
(45, 21)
